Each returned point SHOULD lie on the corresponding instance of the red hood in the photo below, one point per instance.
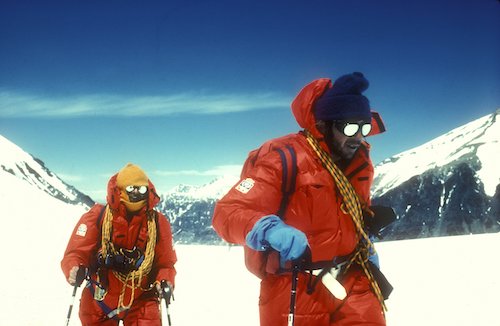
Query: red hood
(303, 104)
(113, 197)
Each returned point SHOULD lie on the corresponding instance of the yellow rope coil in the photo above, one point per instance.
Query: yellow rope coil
(352, 206)
(134, 278)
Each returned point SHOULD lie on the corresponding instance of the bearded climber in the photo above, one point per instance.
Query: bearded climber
(300, 210)
(126, 251)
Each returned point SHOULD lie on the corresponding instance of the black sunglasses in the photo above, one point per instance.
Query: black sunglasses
(142, 189)
(352, 128)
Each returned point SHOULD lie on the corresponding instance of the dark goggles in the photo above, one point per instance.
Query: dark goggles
(352, 128)
(141, 189)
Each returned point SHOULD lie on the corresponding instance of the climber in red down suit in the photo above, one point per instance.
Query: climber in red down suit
(321, 227)
(126, 249)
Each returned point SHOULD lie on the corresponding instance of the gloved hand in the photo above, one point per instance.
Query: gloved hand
(377, 218)
(373, 258)
(166, 289)
(76, 275)
(271, 231)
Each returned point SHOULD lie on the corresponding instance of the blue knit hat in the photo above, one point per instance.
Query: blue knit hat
(344, 100)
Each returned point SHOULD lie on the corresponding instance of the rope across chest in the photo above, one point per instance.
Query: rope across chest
(352, 207)
(124, 261)
(130, 266)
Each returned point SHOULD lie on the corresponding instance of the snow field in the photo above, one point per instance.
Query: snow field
(437, 281)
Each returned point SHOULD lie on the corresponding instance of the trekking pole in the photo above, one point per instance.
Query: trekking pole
(71, 304)
(80, 276)
(293, 295)
(166, 294)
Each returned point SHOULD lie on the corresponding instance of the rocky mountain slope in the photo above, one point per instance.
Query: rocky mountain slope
(447, 186)
(22, 165)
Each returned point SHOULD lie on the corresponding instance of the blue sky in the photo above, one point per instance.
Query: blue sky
(187, 88)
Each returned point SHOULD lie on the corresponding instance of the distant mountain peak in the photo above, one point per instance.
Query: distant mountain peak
(447, 186)
(479, 138)
(32, 170)
(215, 189)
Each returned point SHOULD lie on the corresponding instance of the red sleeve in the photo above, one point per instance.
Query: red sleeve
(83, 242)
(257, 194)
(165, 256)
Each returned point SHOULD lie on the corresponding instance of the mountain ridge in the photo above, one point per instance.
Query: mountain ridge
(447, 186)
(443, 195)
(470, 138)
(24, 166)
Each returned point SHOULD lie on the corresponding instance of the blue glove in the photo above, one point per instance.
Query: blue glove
(374, 255)
(374, 259)
(271, 231)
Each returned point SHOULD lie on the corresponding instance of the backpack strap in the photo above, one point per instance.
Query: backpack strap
(99, 219)
(256, 261)
(288, 176)
(99, 226)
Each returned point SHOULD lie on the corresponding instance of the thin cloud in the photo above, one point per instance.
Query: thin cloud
(13, 104)
(216, 171)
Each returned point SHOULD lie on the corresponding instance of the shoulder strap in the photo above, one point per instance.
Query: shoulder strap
(157, 225)
(289, 174)
(99, 219)
(99, 225)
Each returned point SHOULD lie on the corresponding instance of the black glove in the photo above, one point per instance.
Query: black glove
(166, 291)
(377, 218)
(77, 274)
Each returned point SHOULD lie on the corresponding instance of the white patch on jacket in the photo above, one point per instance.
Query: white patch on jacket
(245, 185)
(82, 230)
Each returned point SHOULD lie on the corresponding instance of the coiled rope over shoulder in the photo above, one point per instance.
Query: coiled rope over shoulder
(134, 278)
(351, 206)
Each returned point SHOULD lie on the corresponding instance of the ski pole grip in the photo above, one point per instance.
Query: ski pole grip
(80, 275)
(167, 292)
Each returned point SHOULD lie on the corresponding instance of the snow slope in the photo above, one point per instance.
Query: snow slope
(35, 230)
(17, 162)
(438, 281)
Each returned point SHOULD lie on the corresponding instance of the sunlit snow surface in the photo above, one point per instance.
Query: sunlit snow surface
(439, 281)
(481, 136)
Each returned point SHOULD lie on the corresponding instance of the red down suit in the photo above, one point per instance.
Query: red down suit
(314, 208)
(83, 250)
